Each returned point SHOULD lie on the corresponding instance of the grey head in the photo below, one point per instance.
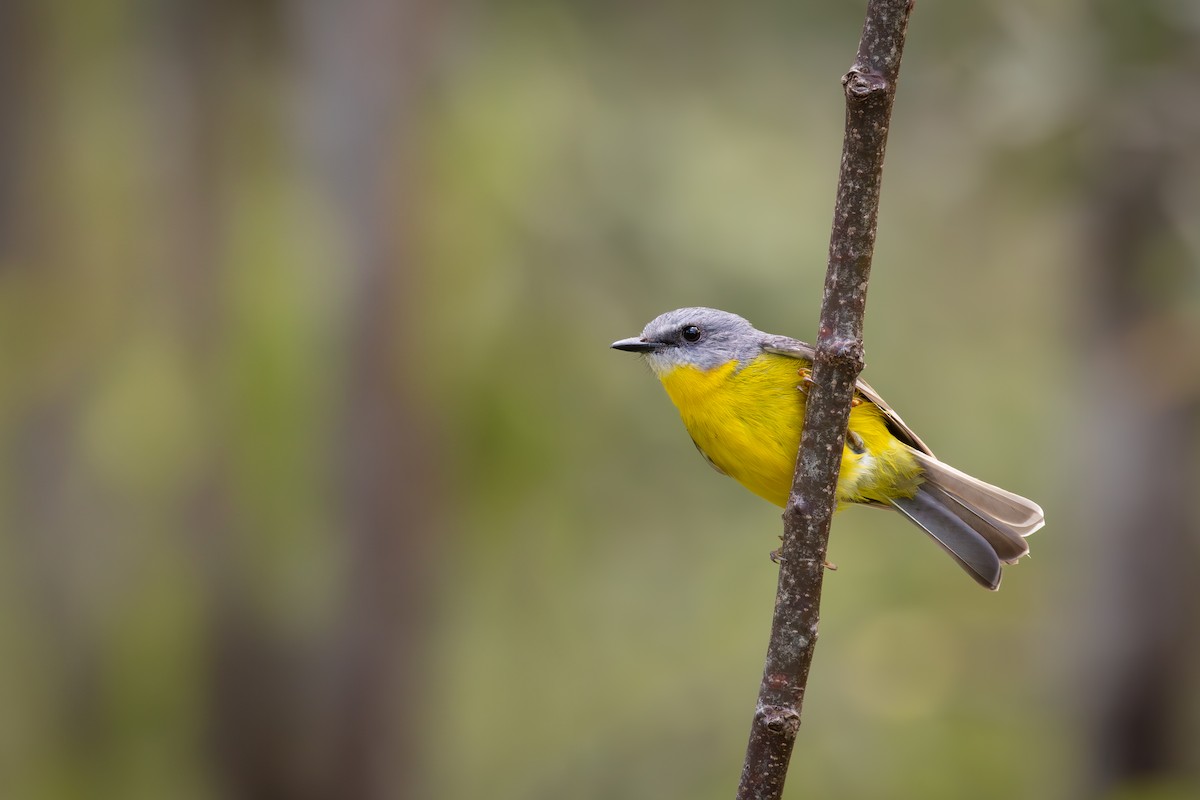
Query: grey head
(698, 337)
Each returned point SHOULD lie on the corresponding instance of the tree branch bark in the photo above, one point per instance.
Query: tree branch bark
(870, 87)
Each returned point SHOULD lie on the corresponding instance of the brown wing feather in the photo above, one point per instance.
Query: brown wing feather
(794, 348)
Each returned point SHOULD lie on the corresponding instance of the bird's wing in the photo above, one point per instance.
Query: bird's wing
(794, 348)
(708, 458)
(787, 346)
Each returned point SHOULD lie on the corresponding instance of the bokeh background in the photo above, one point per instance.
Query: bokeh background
(319, 479)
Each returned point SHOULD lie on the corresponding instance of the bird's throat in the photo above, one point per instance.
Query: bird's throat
(689, 386)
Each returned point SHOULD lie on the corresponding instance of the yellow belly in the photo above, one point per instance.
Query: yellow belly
(748, 423)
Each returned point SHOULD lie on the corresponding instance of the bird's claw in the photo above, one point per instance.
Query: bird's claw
(807, 382)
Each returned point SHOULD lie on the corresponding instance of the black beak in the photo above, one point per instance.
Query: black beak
(636, 345)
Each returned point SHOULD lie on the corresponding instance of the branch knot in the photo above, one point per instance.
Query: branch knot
(780, 719)
(860, 83)
(848, 351)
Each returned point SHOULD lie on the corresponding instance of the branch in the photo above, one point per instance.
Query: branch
(870, 87)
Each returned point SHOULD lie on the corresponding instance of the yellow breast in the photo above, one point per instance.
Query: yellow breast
(748, 421)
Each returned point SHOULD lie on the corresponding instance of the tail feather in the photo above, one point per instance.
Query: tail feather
(980, 525)
(1009, 545)
(1011, 510)
(964, 544)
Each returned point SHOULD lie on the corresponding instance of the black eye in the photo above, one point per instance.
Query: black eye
(691, 333)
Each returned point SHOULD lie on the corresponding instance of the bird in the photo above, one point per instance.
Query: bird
(742, 393)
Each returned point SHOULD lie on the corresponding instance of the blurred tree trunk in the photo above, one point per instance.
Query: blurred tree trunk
(331, 717)
(45, 493)
(365, 65)
(252, 692)
(17, 63)
(1139, 537)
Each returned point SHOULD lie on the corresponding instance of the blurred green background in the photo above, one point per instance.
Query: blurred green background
(320, 480)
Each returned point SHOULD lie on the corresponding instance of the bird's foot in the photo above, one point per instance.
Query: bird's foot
(807, 382)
